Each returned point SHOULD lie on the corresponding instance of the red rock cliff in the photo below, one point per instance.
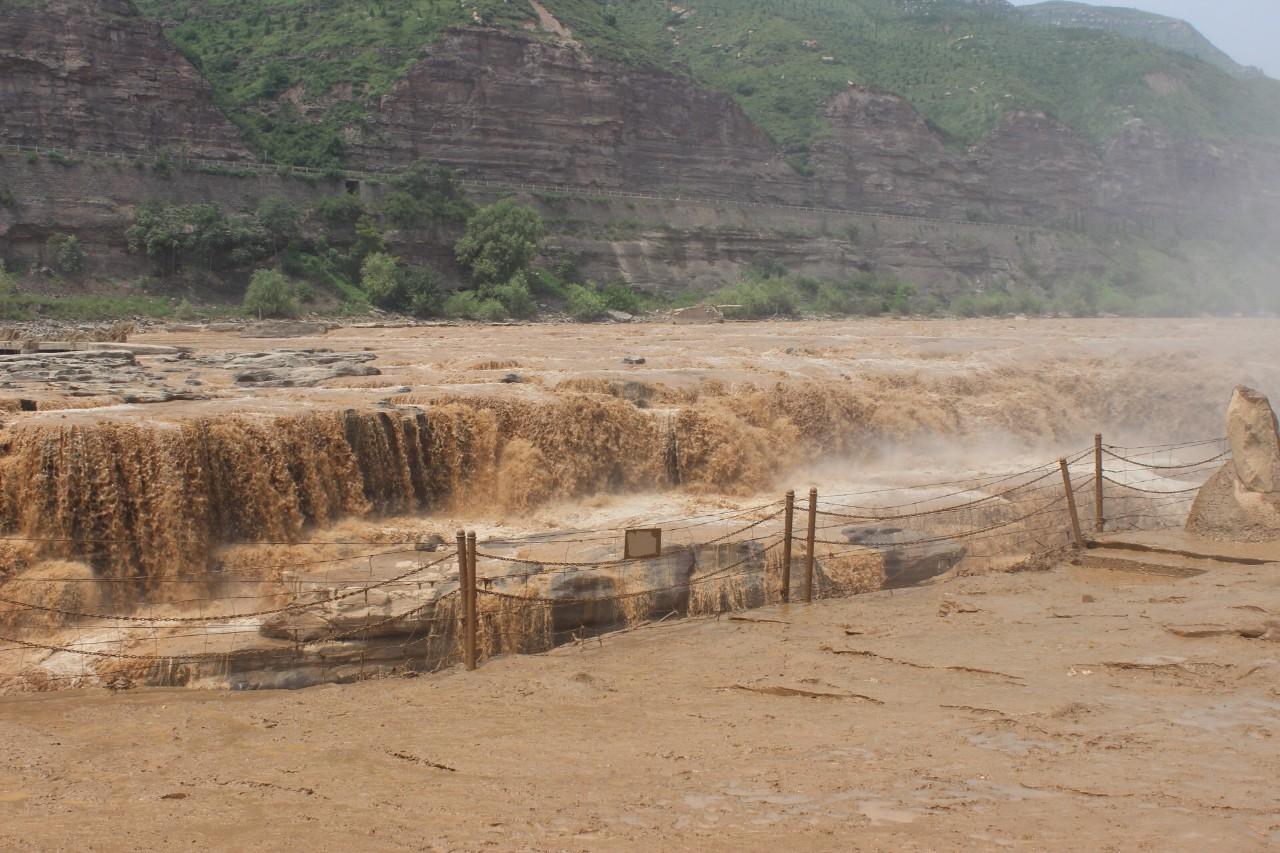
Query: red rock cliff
(96, 75)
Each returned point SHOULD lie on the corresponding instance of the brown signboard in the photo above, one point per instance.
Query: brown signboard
(643, 542)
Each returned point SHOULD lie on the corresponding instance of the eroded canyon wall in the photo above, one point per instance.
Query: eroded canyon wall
(515, 106)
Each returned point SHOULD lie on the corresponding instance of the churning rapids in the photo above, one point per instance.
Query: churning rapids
(262, 453)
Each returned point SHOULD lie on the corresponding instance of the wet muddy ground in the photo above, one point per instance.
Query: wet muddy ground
(1071, 709)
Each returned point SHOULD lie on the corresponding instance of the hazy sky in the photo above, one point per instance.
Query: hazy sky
(1246, 29)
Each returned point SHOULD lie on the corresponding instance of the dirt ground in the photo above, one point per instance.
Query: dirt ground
(1072, 709)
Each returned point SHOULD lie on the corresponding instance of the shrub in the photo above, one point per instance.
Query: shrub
(339, 210)
(185, 311)
(426, 193)
(61, 159)
(8, 281)
(7, 198)
(403, 210)
(500, 241)
(323, 270)
(281, 220)
(763, 297)
(547, 284)
(491, 311)
(584, 304)
(468, 305)
(64, 254)
(515, 298)
(619, 296)
(865, 295)
(269, 295)
(420, 291)
(462, 305)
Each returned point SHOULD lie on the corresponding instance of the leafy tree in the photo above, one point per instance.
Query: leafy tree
(500, 241)
(395, 286)
(270, 295)
(379, 278)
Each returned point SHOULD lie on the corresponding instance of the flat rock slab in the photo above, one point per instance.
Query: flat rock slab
(285, 329)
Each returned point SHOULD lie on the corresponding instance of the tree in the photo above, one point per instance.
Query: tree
(200, 234)
(499, 242)
(397, 287)
(379, 278)
(64, 254)
(281, 220)
(269, 295)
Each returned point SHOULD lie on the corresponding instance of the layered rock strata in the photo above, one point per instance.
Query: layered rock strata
(97, 75)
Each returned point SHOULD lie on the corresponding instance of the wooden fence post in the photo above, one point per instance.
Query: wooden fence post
(463, 562)
(1097, 483)
(469, 619)
(1071, 503)
(809, 542)
(788, 533)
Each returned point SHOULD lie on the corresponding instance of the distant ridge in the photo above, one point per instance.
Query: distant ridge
(1167, 32)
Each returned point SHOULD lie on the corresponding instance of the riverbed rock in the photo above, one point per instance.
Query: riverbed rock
(372, 614)
(1241, 502)
(295, 368)
(908, 559)
(284, 329)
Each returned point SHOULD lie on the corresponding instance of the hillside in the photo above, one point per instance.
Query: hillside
(301, 78)
(876, 155)
(1161, 30)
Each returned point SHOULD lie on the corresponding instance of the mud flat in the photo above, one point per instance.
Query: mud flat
(1080, 708)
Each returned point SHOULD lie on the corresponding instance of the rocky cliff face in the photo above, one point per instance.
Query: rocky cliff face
(95, 74)
(510, 106)
(882, 155)
(513, 106)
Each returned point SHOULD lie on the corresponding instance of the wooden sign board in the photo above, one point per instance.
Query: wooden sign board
(643, 542)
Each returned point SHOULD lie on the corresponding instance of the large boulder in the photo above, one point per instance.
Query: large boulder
(1255, 441)
(1241, 502)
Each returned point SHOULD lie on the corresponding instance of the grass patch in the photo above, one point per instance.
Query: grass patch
(27, 306)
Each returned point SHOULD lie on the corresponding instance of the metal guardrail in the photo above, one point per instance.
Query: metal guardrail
(264, 167)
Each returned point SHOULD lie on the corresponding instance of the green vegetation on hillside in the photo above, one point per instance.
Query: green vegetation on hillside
(265, 57)
(301, 76)
(962, 66)
(1145, 26)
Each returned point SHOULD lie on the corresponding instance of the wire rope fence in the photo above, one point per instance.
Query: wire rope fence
(415, 608)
